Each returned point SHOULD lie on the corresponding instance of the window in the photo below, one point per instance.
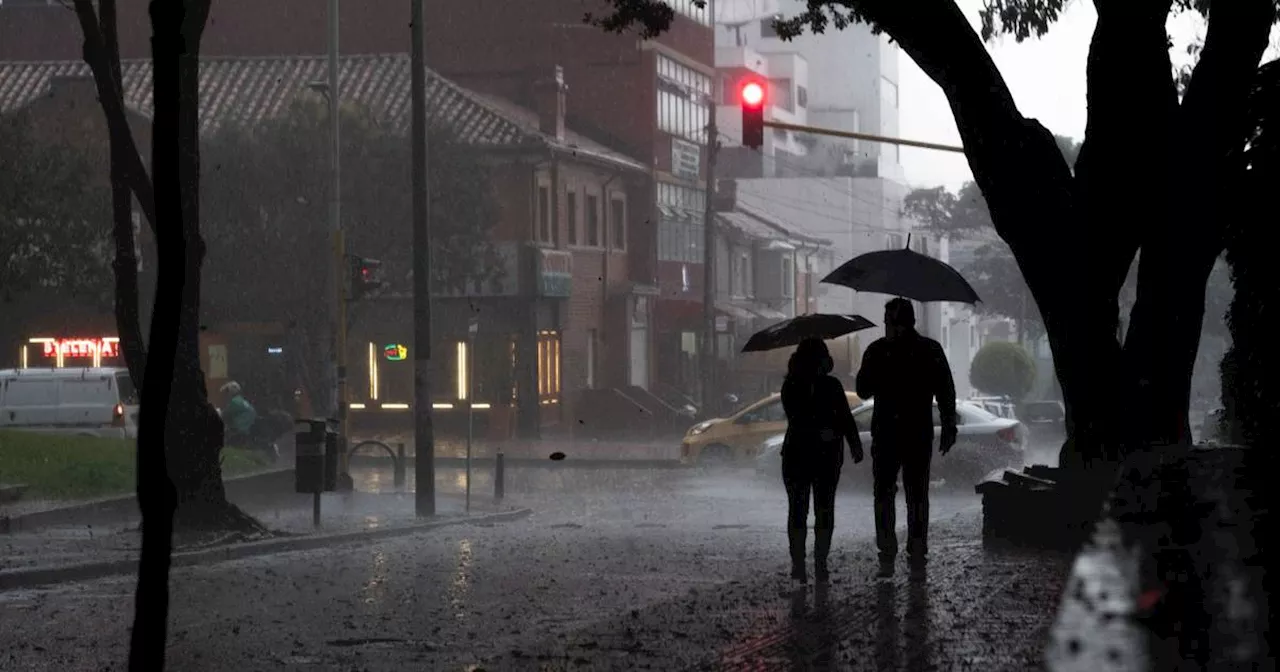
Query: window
(802, 96)
(683, 96)
(593, 220)
(591, 358)
(770, 412)
(549, 367)
(689, 9)
(682, 211)
(788, 278)
(571, 206)
(769, 27)
(742, 281)
(618, 221)
(780, 89)
(888, 92)
(544, 214)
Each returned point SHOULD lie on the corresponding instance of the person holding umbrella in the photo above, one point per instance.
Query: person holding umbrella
(903, 372)
(818, 423)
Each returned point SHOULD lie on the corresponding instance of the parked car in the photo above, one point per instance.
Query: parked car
(984, 442)
(99, 402)
(998, 406)
(1046, 419)
(737, 438)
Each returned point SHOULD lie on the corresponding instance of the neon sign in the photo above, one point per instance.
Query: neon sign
(395, 352)
(62, 349)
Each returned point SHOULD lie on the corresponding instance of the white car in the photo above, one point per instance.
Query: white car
(984, 442)
(87, 401)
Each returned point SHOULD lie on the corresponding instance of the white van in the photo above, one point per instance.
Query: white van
(87, 402)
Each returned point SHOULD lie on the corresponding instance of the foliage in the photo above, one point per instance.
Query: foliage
(53, 223)
(266, 207)
(1004, 369)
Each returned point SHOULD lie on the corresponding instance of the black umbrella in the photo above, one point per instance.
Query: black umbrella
(817, 325)
(905, 273)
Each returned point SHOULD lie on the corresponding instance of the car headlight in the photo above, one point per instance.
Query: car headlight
(700, 428)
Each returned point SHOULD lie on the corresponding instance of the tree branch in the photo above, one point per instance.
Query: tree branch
(111, 96)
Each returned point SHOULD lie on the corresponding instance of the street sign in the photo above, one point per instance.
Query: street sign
(685, 159)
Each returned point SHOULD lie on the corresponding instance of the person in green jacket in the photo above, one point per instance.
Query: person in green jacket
(239, 415)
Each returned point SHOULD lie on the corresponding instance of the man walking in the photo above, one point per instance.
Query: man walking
(903, 372)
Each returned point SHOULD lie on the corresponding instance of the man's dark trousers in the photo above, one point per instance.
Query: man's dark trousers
(911, 459)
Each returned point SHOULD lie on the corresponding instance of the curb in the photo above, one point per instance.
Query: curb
(41, 576)
(529, 462)
(108, 509)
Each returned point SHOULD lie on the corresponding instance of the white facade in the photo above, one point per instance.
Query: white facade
(787, 75)
(852, 74)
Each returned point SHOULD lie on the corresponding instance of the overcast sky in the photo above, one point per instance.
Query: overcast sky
(1046, 76)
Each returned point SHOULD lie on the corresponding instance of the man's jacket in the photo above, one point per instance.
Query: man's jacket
(904, 375)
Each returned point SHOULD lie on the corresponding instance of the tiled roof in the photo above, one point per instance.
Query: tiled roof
(757, 225)
(248, 90)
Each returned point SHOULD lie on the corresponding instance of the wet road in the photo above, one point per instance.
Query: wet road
(615, 570)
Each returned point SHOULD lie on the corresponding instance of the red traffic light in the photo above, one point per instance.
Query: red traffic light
(752, 94)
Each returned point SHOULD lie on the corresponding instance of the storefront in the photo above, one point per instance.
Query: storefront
(70, 352)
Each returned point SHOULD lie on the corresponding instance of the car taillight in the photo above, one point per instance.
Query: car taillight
(117, 418)
(1008, 434)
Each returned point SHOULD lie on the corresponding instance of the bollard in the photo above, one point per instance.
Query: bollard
(497, 477)
(399, 473)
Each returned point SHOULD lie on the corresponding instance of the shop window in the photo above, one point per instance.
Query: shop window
(549, 367)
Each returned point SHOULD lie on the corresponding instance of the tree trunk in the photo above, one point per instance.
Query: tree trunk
(195, 437)
(156, 496)
(125, 265)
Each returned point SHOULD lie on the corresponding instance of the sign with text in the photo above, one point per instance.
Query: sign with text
(59, 352)
(555, 273)
(685, 159)
(395, 352)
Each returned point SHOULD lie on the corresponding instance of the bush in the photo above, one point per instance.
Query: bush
(1003, 369)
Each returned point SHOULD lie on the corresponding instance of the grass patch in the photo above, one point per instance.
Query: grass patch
(60, 466)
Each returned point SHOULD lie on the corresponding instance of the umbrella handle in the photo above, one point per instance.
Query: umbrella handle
(908, 246)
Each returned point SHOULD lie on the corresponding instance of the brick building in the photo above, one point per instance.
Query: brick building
(559, 322)
(644, 98)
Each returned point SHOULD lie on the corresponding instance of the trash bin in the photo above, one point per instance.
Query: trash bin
(316, 457)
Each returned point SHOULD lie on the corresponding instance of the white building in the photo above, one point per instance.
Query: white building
(852, 83)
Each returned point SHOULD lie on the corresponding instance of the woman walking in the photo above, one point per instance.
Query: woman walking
(819, 422)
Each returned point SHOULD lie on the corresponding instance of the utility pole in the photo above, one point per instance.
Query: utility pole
(339, 295)
(424, 463)
(709, 354)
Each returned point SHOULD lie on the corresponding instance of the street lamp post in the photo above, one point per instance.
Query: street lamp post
(338, 306)
(472, 327)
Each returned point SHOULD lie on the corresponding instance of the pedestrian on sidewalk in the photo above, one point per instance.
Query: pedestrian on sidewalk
(818, 423)
(903, 373)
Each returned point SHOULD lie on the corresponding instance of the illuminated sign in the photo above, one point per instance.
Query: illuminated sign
(395, 352)
(62, 349)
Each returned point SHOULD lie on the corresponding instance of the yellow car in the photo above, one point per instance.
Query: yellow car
(739, 436)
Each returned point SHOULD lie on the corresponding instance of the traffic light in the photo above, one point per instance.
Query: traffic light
(366, 276)
(752, 95)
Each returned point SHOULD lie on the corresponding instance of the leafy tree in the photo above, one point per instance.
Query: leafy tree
(1003, 369)
(52, 232)
(265, 207)
(1076, 233)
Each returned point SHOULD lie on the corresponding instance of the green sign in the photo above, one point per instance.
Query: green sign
(395, 352)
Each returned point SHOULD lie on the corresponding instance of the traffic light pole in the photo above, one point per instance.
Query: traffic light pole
(424, 467)
(709, 355)
(818, 130)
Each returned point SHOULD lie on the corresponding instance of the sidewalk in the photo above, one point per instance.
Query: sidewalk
(485, 449)
(1174, 577)
(344, 517)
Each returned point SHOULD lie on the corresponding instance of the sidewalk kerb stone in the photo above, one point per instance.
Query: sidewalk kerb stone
(41, 576)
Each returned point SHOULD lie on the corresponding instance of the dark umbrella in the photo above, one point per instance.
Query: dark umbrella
(818, 325)
(905, 273)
